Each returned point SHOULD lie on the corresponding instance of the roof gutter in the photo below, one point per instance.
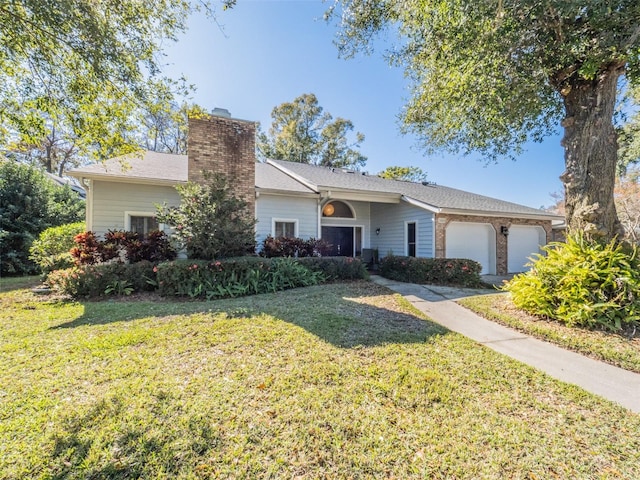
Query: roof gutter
(123, 179)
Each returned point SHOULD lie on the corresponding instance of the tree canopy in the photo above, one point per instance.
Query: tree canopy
(302, 132)
(487, 76)
(408, 174)
(79, 71)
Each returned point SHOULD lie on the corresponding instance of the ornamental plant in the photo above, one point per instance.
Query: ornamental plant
(582, 283)
(210, 223)
(51, 250)
(440, 271)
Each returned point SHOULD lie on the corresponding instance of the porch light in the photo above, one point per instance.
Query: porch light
(504, 230)
(378, 231)
(328, 210)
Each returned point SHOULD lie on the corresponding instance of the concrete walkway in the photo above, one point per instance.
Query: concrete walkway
(612, 383)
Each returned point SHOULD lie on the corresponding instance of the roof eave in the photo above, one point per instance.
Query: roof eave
(487, 213)
(125, 179)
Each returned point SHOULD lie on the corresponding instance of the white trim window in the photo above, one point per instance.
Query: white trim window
(284, 227)
(141, 222)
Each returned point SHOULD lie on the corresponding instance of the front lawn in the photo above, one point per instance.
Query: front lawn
(334, 381)
(622, 350)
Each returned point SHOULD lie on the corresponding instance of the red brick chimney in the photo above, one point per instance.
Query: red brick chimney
(225, 145)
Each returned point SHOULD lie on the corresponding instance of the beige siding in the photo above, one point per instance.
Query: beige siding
(111, 200)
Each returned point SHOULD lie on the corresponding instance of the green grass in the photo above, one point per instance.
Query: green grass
(333, 381)
(15, 283)
(620, 350)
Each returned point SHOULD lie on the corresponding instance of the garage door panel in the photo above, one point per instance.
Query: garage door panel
(524, 241)
(475, 241)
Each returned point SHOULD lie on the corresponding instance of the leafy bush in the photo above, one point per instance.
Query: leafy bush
(29, 204)
(440, 271)
(293, 247)
(117, 244)
(103, 279)
(210, 222)
(232, 277)
(51, 250)
(583, 283)
(336, 268)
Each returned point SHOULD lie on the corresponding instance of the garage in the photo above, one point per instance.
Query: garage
(522, 243)
(475, 241)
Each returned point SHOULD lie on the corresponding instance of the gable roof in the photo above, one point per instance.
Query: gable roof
(433, 197)
(277, 176)
(146, 167)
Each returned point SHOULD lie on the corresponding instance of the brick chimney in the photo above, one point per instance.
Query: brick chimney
(225, 145)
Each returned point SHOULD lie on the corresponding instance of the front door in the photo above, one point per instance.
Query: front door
(341, 240)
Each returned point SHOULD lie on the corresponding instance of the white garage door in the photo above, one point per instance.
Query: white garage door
(476, 241)
(523, 242)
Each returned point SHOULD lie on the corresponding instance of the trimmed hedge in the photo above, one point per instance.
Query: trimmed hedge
(204, 279)
(336, 268)
(440, 271)
(251, 275)
(104, 279)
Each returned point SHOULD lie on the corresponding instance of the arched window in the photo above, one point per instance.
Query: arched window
(337, 209)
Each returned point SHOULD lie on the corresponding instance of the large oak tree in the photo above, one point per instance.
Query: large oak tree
(489, 75)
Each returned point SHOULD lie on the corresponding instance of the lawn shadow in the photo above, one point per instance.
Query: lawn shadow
(344, 314)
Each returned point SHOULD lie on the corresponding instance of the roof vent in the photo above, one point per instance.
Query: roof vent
(429, 184)
(221, 112)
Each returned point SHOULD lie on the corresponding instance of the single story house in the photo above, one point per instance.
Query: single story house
(353, 211)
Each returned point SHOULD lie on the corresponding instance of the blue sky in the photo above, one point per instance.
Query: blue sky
(270, 52)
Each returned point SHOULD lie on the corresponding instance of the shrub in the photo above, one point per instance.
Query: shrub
(440, 271)
(582, 282)
(104, 279)
(128, 246)
(232, 277)
(29, 204)
(210, 222)
(293, 247)
(336, 268)
(51, 250)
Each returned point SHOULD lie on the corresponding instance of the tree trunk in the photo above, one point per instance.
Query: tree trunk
(591, 154)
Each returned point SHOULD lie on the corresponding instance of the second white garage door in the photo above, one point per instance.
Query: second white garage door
(476, 241)
(523, 242)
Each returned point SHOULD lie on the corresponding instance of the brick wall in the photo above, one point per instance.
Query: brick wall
(226, 146)
(442, 220)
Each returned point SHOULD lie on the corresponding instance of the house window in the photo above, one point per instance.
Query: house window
(337, 209)
(285, 228)
(143, 225)
(411, 239)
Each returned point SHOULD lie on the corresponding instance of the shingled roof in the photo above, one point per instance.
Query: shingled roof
(150, 166)
(437, 197)
(290, 177)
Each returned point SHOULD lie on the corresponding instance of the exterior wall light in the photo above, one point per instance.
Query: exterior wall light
(504, 230)
(378, 231)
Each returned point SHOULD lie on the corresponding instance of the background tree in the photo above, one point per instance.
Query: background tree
(629, 133)
(165, 126)
(82, 69)
(627, 194)
(407, 174)
(301, 132)
(210, 222)
(29, 204)
(488, 76)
